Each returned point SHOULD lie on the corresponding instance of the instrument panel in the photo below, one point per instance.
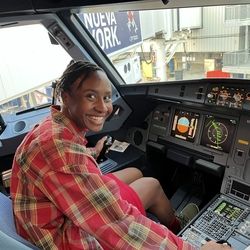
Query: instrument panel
(211, 128)
(202, 131)
(232, 97)
(216, 133)
(214, 138)
(225, 219)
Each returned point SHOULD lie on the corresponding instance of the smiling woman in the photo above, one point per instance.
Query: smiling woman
(134, 72)
(55, 152)
(86, 93)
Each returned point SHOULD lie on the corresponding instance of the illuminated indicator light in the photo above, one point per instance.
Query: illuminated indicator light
(243, 142)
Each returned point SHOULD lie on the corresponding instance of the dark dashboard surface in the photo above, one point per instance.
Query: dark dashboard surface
(203, 123)
(229, 93)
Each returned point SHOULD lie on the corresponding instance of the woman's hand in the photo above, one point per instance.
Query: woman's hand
(99, 145)
(212, 245)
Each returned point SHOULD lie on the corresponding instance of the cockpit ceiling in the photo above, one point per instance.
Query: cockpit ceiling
(38, 6)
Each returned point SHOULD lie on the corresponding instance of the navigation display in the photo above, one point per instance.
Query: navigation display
(185, 125)
(218, 133)
(228, 210)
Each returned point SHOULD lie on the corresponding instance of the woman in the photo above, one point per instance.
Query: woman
(60, 198)
(90, 113)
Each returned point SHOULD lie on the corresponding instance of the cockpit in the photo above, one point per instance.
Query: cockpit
(180, 75)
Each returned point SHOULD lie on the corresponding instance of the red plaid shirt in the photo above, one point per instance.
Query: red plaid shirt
(62, 201)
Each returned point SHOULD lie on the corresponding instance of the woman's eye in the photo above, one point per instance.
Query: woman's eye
(91, 96)
(107, 98)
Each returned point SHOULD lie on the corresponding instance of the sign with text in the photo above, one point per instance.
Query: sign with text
(114, 31)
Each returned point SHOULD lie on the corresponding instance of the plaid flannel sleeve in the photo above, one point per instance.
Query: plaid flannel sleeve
(92, 152)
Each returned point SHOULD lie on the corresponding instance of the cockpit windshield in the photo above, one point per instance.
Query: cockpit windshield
(174, 44)
(29, 63)
(145, 46)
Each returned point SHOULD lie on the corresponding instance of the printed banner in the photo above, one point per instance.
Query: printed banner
(114, 31)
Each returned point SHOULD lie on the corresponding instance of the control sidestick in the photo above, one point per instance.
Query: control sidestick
(106, 145)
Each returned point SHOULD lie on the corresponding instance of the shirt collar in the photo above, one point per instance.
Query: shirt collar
(59, 117)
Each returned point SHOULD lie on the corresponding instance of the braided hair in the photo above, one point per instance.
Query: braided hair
(74, 70)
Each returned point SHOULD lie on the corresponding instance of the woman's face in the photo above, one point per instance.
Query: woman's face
(90, 104)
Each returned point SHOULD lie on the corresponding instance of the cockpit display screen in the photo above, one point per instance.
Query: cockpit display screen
(185, 125)
(228, 210)
(217, 133)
